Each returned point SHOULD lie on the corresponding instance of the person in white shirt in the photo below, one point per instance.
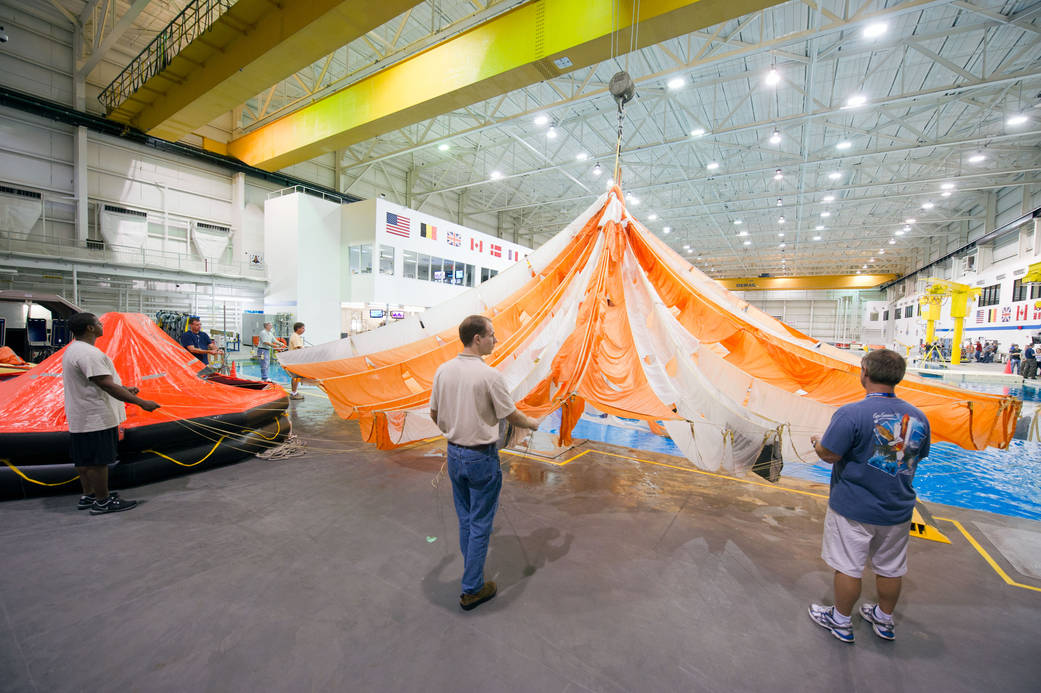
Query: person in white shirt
(265, 343)
(296, 341)
(94, 410)
(467, 401)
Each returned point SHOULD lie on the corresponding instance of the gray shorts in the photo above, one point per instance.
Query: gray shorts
(848, 544)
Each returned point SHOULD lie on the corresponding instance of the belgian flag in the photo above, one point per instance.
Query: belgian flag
(428, 231)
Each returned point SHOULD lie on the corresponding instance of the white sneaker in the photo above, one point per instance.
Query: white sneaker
(883, 629)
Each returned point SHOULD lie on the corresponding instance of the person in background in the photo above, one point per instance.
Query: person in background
(467, 401)
(94, 409)
(198, 342)
(875, 446)
(265, 344)
(979, 351)
(1029, 367)
(1014, 354)
(296, 341)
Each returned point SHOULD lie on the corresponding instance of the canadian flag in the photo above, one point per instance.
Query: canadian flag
(496, 250)
(1021, 312)
(476, 245)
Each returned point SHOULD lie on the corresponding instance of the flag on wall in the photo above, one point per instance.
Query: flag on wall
(1006, 314)
(1037, 312)
(397, 225)
(428, 231)
(979, 317)
(476, 245)
(511, 254)
(992, 315)
(1021, 312)
(495, 250)
(454, 238)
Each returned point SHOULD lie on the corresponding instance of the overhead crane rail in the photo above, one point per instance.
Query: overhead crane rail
(193, 20)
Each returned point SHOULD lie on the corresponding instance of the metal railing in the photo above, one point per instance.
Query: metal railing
(51, 247)
(193, 20)
(338, 199)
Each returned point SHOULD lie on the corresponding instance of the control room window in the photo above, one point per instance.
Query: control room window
(1019, 292)
(1035, 291)
(409, 259)
(487, 273)
(909, 312)
(360, 259)
(885, 315)
(990, 295)
(386, 259)
(423, 270)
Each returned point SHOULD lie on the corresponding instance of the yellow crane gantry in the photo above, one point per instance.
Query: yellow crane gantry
(960, 295)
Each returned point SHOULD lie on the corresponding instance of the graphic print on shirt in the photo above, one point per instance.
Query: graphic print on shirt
(898, 443)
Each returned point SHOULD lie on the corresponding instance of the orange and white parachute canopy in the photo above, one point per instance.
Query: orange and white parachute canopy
(606, 314)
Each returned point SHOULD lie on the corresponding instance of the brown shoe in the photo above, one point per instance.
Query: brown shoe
(472, 601)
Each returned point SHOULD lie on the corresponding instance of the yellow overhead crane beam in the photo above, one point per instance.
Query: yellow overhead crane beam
(813, 282)
(246, 50)
(512, 50)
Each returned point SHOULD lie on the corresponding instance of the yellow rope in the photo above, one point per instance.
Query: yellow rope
(20, 473)
(165, 457)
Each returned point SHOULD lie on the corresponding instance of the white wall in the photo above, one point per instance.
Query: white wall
(303, 233)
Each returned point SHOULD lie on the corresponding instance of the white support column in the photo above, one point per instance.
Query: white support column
(81, 188)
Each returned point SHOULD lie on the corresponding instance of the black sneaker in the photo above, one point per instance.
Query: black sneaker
(112, 504)
(86, 502)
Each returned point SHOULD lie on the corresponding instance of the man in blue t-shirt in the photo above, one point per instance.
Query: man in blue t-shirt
(875, 446)
(198, 342)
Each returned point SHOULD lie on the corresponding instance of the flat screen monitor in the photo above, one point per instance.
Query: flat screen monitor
(397, 314)
(36, 330)
(376, 313)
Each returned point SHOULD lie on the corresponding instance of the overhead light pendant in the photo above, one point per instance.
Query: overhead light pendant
(776, 137)
(597, 170)
(778, 175)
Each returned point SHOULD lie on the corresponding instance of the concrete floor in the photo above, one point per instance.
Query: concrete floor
(339, 571)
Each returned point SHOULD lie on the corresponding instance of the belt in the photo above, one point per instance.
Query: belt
(478, 448)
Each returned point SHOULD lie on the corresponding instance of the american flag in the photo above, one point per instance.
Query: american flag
(979, 317)
(397, 225)
(428, 231)
(495, 250)
(476, 245)
(454, 238)
(1006, 314)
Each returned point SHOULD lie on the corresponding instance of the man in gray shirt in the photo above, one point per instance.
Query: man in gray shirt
(94, 410)
(467, 401)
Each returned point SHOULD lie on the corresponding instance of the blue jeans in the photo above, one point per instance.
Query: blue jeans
(476, 482)
(264, 354)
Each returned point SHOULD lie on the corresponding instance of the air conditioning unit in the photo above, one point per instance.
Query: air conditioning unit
(968, 262)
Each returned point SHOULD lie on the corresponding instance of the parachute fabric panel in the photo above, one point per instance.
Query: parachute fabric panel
(607, 314)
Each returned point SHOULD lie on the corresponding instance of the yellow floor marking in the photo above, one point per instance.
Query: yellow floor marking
(986, 556)
(546, 459)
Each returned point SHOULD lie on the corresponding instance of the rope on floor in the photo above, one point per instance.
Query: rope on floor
(294, 446)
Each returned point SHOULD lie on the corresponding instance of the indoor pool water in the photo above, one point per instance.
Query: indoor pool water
(1030, 391)
(251, 369)
(1006, 482)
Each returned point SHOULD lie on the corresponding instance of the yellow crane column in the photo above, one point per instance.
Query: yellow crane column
(960, 295)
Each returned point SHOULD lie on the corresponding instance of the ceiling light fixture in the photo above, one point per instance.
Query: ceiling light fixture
(780, 220)
(652, 217)
(816, 238)
(946, 193)
(666, 229)
(597, 170)
(1017, 119)
(928, 205)
(773, 77)
(551, 133)
(676, 83)
(818, 227)
(697, 132)
(443, 147)
(776, 137)
(976, 158)
(738, 222)
(541, 120)
(581, 156)
(825, 215)
(875, 29)
(743, 233)
(909, 220)
(712, 165)
(843, 145)
(947, 186)
(495, 175)
(834, 175)
(748, 242)
(855, 101)
(899, 232)
(829, 198)
(892, 241)
(779, 202)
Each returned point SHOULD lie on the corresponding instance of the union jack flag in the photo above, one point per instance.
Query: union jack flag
(454, 238)
(1006, 314)
(398, 225)
(495, 250)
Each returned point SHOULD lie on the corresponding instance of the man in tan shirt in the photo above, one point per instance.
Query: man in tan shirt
(296, 341)
(468, 399)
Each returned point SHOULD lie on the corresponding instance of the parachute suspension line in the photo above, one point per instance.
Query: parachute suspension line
(622, 89)
(22, 474)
